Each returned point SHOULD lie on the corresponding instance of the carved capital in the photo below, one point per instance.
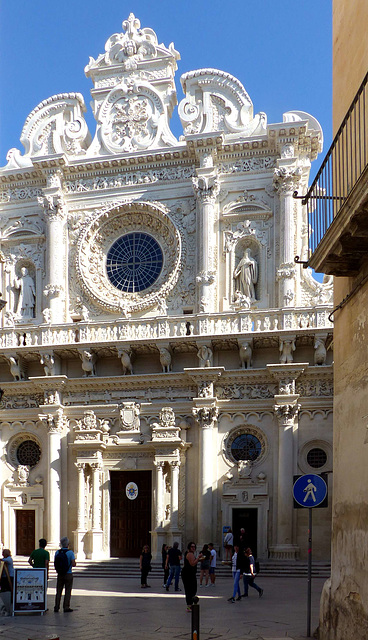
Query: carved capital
(286, 413)
(205, 416)
(80, 466)
(286, 270)
(206, 277)
(53, 206)
(96, 466)
(206, 189)
(286, 179)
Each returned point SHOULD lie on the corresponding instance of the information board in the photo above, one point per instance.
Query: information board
(30, 590)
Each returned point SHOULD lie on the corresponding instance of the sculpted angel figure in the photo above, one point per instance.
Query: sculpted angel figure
(246, 275)
(27, 294)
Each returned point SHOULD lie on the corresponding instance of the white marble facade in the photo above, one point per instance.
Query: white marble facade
(224, 335)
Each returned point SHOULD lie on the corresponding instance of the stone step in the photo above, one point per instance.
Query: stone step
(129, 568)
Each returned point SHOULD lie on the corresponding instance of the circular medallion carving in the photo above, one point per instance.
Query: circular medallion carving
(113, 273)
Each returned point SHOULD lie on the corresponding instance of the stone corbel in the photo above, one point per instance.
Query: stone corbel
(286, 376)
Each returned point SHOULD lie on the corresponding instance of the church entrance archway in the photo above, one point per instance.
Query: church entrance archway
(246, 519)
(24, 531)
(130, 520)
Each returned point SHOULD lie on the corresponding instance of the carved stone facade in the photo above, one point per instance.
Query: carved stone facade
(157, 326)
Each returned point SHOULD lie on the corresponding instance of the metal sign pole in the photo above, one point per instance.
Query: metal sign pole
(309, 573)
(195, 619)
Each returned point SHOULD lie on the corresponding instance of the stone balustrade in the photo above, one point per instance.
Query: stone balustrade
(221, 324)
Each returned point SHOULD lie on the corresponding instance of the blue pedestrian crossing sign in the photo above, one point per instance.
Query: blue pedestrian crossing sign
(309, 490)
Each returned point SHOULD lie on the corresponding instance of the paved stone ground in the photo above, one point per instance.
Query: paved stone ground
(118, 609)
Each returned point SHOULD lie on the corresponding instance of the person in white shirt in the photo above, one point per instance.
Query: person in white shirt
(212, 564)
(228, 544)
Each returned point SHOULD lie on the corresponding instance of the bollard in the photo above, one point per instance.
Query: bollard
(195, 619)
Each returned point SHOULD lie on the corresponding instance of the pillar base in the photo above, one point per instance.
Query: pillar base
(79, 541)
(158, 537)
(285, 552)
(96, 543)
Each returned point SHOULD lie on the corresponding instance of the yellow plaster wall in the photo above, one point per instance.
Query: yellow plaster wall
(350, 53)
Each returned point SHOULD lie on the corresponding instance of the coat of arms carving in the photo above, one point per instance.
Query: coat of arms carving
(129, 416)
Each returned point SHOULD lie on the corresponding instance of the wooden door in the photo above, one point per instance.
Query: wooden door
(25, 531)
(130, 520)
(246, 519)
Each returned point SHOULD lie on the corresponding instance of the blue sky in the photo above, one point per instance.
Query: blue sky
(279, 49)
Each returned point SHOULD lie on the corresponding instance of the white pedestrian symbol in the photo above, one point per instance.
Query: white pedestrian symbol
(310, 489)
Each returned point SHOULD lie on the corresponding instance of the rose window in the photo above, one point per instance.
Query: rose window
(134, 262)
(28, 453)
(246, 447)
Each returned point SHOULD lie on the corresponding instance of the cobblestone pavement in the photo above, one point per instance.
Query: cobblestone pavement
(115, 609)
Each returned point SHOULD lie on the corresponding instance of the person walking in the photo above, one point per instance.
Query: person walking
(188, 574)
(237, 568)
(174, 556)
(249, 574)
(164, 564)
(212, 564)
(64, 561)
(145, 565)
(40, 558)
(205, 565)
(228, 544)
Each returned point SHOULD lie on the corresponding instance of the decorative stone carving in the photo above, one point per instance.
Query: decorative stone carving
(244, 469)
(243, 230)
(90, 427)
(17, 368)
(166, 427)
(286, 350)
(206, 416)
(165, 360)
(205, 356)
(133, 112)
(22, 475)
(27, 295)
(47, 316)
(216, 101)
(245, 354)
(206, 188)
(110, 224)
(88, 363)
(286, 413)
(125, 357)
(286, 179)
(246, 276)
(49, 362)
(55, 126)
(129, 416)
(320, 352)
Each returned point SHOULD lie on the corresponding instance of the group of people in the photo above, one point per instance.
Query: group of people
(64, 561)
(243, 566)
(171, 565)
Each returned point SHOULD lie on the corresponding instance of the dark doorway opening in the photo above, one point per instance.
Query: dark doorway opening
(130, 520)
(25, 532)
(246, 519)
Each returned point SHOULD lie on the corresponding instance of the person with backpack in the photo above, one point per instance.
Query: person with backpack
(249, 574)
(64, 560)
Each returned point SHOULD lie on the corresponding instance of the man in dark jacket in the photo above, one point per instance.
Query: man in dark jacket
(174, 556)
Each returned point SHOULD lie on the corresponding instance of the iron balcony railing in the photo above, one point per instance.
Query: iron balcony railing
(341, 169)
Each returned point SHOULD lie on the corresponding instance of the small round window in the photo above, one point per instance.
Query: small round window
(316, 458)
(134, 262)
(28, 453)
(246, 447)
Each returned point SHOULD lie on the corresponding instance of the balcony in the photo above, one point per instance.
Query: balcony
(337, 201)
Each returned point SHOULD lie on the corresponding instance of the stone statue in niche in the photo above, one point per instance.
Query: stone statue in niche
(27, 294)
(88, 363)
(245, 354)
(165, 360)
(125, 357)
(205, 356)
(246, 276)
(320, 353)
(286, 350)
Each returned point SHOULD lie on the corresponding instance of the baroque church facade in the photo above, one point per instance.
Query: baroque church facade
(166, 365)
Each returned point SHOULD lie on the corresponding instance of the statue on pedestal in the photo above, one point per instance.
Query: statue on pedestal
(246, 276)
(27, 294)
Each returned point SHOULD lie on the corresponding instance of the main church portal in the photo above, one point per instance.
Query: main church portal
(130, 518)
